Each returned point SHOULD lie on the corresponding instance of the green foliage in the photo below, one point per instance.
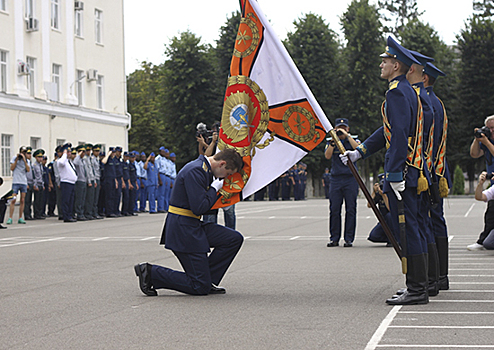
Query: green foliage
(458, 181)
(484, 8)
(191, 93)
(143, 89)
(401, 10)
(225, 44)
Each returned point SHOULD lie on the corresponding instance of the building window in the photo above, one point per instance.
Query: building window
(100, 91)
(55, 14)
(31, 81)
(3, 5)
(7, 142)
(35, 143)
(79, 91)
(60, 142)
(3, 70)
(56, 79)
(29, 8)
(98, 26)
(78, 23)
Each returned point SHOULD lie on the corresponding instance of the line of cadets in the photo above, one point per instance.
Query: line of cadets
(107, 185)
(295, 178)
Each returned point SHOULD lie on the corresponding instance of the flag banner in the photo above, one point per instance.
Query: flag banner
(270, 116)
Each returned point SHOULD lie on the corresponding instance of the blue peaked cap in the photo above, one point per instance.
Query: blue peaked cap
(423, 59)
(395, 50)
(433, 71)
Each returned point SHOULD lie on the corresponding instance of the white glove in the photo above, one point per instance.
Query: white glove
(217, 184)
(352, 155)
(397, 188)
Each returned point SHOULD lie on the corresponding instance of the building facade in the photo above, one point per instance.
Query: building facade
(62, 75)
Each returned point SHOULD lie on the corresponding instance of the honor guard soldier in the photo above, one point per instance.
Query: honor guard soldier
(47, 183)
(38, 183)
(191, 239)
(431, 73)
(151, 182)
(111, 183)
(343, 187)
(401, 134)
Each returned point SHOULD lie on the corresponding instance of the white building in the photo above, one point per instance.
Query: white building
(62, 75)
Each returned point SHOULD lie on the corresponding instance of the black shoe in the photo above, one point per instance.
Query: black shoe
(332, 244)
(161, 211)
(143, 271)
(401, 291)
(134, 214)
(70, 220)
(82, 218)
(2, 227)
(389, 244)
(39, 218)
(443, 282)
(217, 290)
(28, 218)
(90, 217)
(60, 218)
(409, 299)
(153, 212)
(347, 244)
(111, 216)
(98, 217)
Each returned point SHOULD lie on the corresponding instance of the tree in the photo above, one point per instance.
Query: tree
(191, 93)
(315, 50)
(458, 181)
(476, 73)
(225, 44)
(148, 131)
(484, 8)
(363, 90)
(401, 10)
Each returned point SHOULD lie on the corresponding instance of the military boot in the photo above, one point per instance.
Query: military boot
(416, 281)
(442, 244)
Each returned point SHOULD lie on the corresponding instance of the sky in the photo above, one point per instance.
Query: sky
(150, 24)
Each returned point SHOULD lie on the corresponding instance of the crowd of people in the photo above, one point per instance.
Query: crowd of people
(83, 183)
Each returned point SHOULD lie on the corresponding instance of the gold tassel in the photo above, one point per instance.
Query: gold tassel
(443, 187)
(422, 184)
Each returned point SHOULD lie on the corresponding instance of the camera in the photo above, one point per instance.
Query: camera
(207, 135)
(339, 133)
(483, 130)
(489, 176)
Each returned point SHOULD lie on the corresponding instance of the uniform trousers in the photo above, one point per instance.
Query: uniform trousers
(151, 190)
(274, 191)
(80, 198)
(59, 202)
(125, 200)
(28, 201)
(285, 190)
(142, 195)
(97, 191)
(89, 202)
(343, 188)
(201, 269)
(117, 198)
(377, 234)
(52, 200)
(110, 194)
(162, 192)
(68, 192)
(38, 203)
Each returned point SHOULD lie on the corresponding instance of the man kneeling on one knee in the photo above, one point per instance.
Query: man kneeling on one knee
(485, 196)
(190, 239)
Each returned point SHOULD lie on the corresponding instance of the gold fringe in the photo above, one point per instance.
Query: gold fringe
(422, 184)
(443, 187)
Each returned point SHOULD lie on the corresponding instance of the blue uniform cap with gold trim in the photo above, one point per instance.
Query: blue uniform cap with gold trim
(126, 154)
(118, 149)
(395, 50)
(143, 154)
(341, 121)
(162, 148)
(433, 71)
(172, 155)
(152, 154)
(132, 154)
(423, 59)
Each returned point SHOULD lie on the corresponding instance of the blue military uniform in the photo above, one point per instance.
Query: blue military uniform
(442, 171)
(191, 239)
(402, 129)
(142, 175)
(286, 183)
(343, 187)
(151, 185)
(119, 176)
(326, 178)
(126, 191)
(110, 185)
(133, 182)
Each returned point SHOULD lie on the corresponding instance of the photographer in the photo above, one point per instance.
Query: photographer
(486, 240)
(377, 234)
(483, 144)
(20, 167)
(207, 139)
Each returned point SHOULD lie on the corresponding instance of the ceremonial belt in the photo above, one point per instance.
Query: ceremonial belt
(183, 212)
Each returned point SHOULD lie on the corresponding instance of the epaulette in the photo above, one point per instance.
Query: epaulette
(417, 89)
(205, 167)
(393, 84)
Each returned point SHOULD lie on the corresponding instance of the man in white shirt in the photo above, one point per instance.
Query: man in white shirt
(68, 178)
(485, 196)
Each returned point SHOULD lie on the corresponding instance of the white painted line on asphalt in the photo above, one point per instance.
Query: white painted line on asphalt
(468, 291)
(485, 257)
(430, 346)
(470, 269)
(376, 338)
(483, 264)
(9, 238)
(469, 210)
(471, 275)
(291, 239)
(450, 238)
(30, 242)
(272, 217)
(450, 282)
(148, 238)
(246, 237)
(100, 239)
(446, 327)
(461, 301)
(450, 312)
(303, 217)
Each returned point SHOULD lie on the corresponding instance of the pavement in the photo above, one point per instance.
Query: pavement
(72, 286)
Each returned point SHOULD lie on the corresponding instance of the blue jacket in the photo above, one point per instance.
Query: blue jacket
(191, 191)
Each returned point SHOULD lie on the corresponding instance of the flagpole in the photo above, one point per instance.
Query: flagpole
(361, 184)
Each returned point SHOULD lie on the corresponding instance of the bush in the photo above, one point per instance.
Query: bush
(458, 181)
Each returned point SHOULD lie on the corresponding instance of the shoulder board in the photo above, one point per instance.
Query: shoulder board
(205, 167)
(393, 84)
(417, 89)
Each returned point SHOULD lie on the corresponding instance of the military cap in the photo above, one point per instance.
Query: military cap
(112, 149)
(152, 154)
(96, 147)
(126, 154)
(172, 155)
(143, 154)
(395, 50)
(45, 158)
(132, 154)
(342, 121)
(102, 154)
(80, 148)
(433, 71)
(58, 149)
(88, 146)
(118, 149)
(29, 150)
(423, 59)
(74, 151)
(39, 152)
(162, 148)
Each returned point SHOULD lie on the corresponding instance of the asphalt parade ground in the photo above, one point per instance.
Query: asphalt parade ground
(72, 286)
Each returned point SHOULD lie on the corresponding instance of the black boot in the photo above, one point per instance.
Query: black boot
(416, 281)
(442, 244)
(433, 269)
